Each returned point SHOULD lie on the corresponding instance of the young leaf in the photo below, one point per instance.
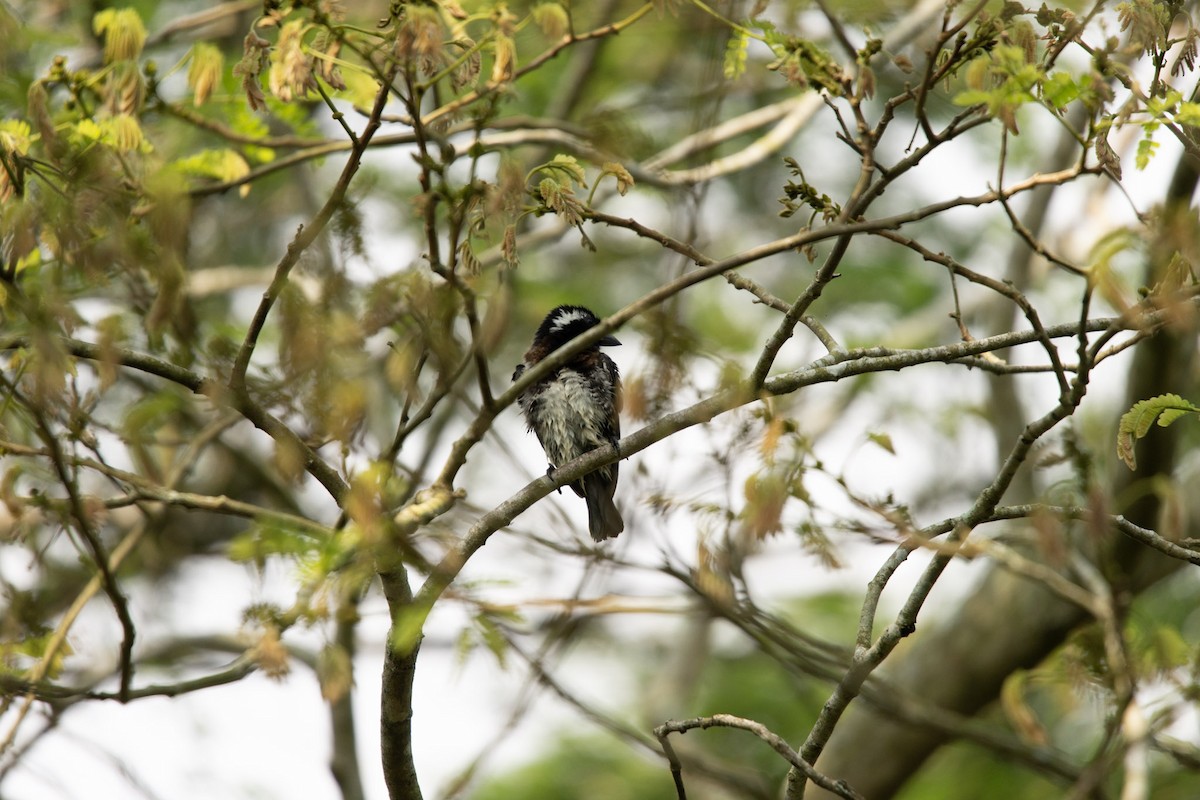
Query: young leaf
(569, 165)
(222, 165)
(123, 31)
(123, 133)
(1146, 146)
(766, 495)
(204, 71)
(624, 179)
(1136, 422)
(735, 54)
(493, 637)
(1189, 114)
(15, 136)
(334, 672)
(552, 19)
(1060, 89)
(269, 538)
(883, 440)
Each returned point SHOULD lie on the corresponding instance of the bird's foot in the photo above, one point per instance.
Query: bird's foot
(550, 475)
(615, 441)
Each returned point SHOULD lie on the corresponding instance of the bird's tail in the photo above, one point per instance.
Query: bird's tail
(604, 520)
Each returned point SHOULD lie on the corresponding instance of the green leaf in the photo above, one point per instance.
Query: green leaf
(1165, 649)
(34, 648)
(121, 132)
(1004, 81)
(124, 33)
(361, 87)
(552, 19)
(493, 638)
(30, 260)
(270, 538)
(1135, 423)
(735, 54)
(1060, 89)
(972, 97)
(205, 70)
(1188, 114)
(88, 130)
(149, 414)
(883, 440)
(1146, 147)
(569, 165)
(1171, 414)
(1161, 105)
(223, 165)
(15, 136)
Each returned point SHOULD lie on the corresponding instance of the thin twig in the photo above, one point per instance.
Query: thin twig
(91, 538)
(758, 729)
(304, 237)
(865, 662)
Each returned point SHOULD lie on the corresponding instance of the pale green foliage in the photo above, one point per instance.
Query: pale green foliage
(123, 31)
(14, 136)
(801, 61)
(205, 69)
(735, 54)
(218, 385)
(223, 165)
(552, 18)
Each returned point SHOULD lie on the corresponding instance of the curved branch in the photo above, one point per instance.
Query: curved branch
(142, 362)
(758, 729)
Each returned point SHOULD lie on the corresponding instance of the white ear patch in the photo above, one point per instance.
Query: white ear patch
(567, 317)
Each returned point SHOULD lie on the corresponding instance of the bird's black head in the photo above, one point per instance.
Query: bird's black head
(565, 323)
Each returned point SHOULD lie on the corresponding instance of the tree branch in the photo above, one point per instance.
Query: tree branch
(758, 729)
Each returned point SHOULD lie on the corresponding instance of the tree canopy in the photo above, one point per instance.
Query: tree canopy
(908, 298)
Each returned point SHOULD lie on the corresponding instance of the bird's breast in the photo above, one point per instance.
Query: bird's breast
(569, 414)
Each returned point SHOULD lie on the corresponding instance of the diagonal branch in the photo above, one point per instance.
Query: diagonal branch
(304, 238)
(831, 368)
(262, 419)
(482, 422)
(866, 660)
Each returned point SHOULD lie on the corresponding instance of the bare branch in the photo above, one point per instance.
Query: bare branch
(758, 729)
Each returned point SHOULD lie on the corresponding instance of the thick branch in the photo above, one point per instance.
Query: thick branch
(399, 669)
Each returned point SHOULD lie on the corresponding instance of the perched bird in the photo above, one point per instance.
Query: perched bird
(573, 410)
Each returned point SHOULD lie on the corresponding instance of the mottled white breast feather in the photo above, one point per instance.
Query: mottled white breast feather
(571, 417)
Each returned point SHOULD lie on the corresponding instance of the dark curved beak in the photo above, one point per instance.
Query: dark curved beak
(608, 341)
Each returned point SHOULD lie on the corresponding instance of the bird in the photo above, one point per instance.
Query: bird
(576, 409)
